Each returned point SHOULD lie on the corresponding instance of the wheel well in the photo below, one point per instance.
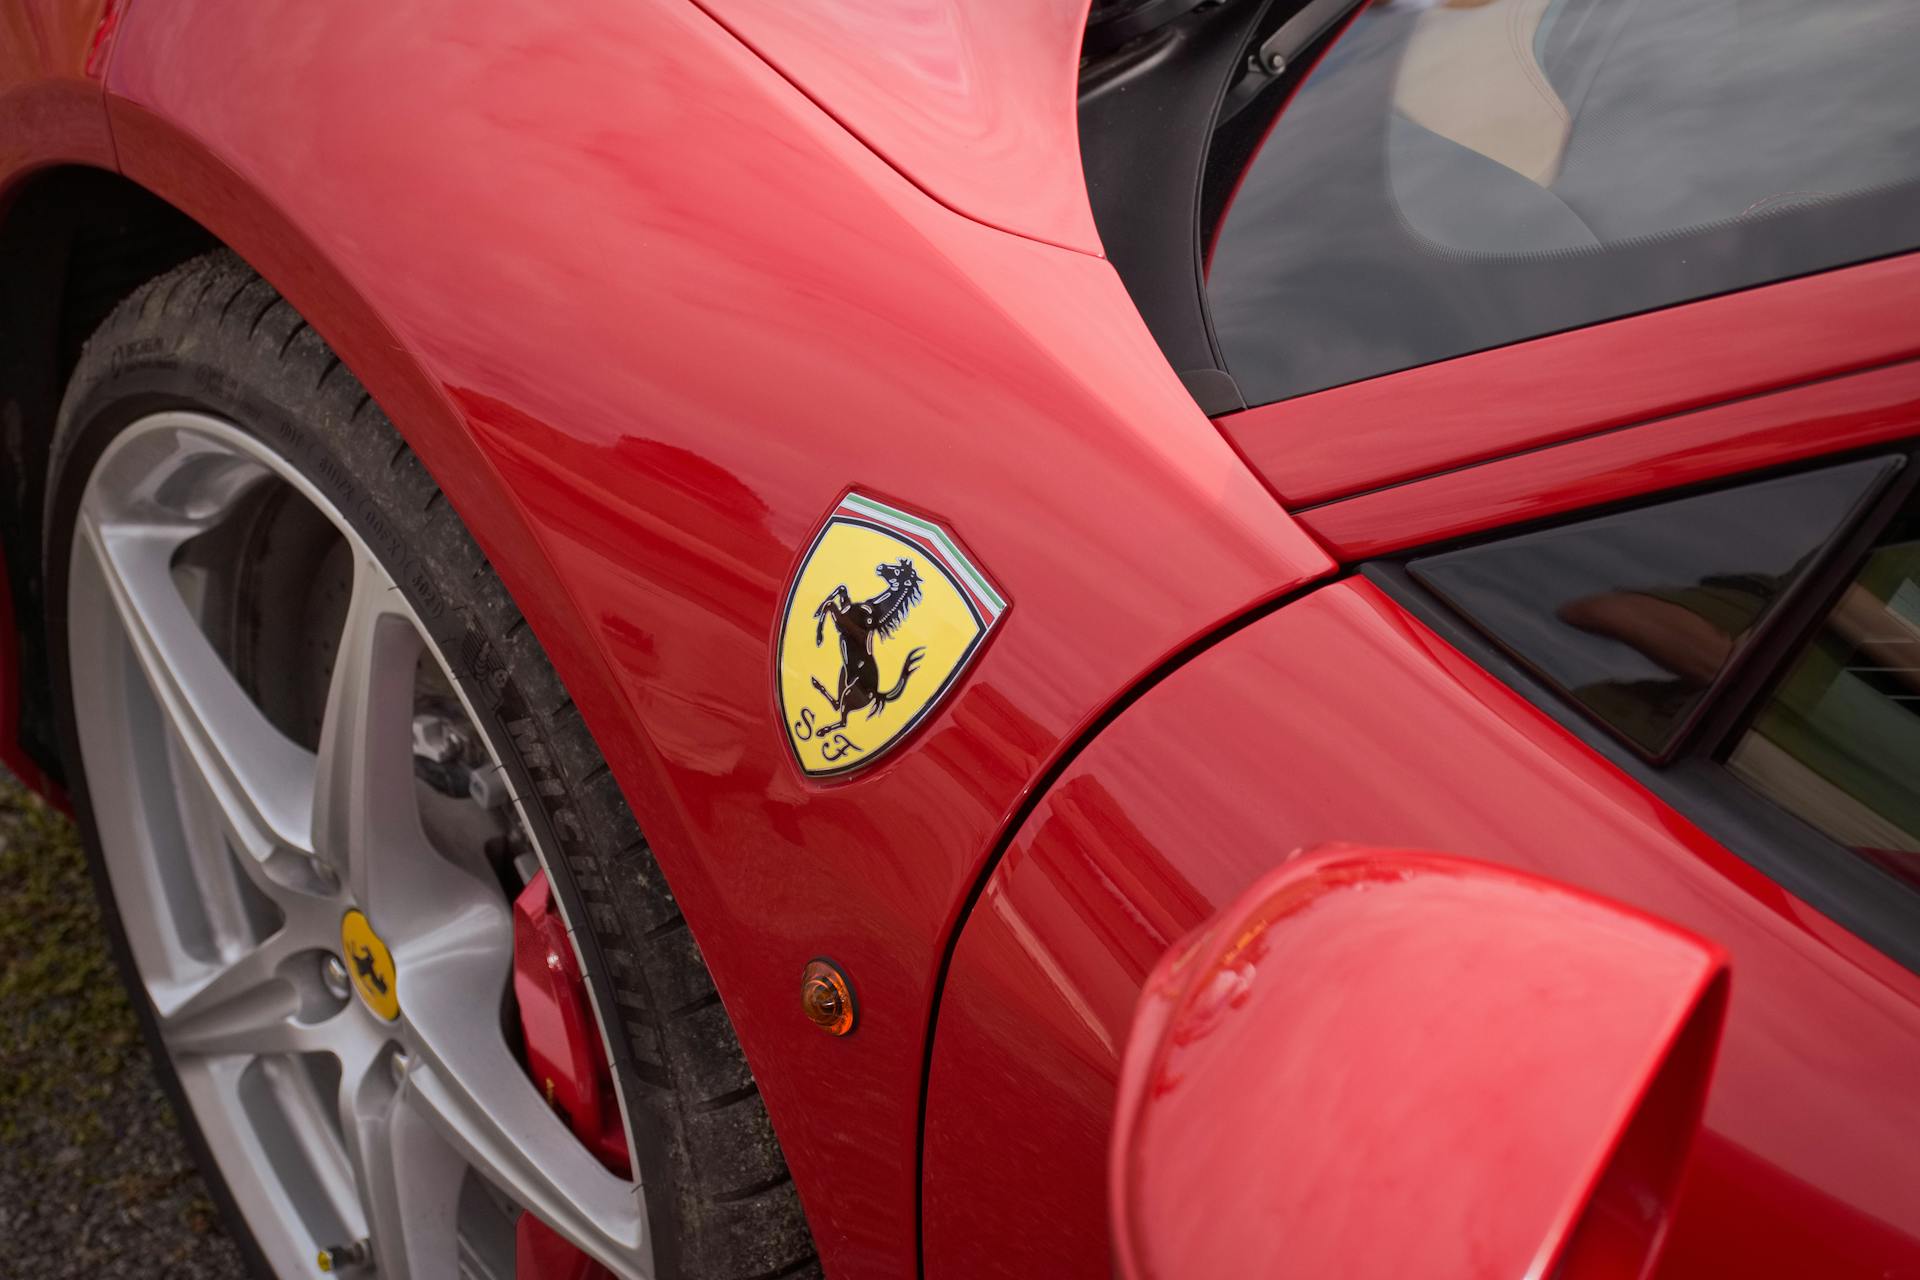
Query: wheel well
(73, 243)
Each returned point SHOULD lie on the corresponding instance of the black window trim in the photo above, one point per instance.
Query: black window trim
(1160, 96)
(1799, 611)
(1694, 779)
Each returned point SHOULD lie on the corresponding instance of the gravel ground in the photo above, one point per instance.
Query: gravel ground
(94, 1180)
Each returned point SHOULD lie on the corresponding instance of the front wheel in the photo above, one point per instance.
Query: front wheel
(317, 756)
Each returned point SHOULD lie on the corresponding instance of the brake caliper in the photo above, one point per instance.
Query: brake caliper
(568, 1063)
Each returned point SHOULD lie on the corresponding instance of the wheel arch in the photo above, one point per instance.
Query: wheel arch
(74, 241)
(188, 173)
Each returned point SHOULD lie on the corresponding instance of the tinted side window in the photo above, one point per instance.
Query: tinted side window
(1838, 743)
(1637, 615)
(1460, 174)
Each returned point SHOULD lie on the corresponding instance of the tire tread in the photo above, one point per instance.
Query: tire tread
(733, 1212)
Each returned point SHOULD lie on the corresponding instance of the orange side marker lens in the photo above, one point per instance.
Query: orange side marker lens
(826, 998)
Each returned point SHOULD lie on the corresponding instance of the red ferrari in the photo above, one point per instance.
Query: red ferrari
(738, 638)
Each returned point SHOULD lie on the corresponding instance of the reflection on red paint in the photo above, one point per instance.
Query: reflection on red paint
(1381, 1063)
(1341, 718)
(101, 45)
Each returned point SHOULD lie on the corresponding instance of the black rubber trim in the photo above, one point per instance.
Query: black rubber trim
(1146, 116)
(1214, 390)
(1733, 706)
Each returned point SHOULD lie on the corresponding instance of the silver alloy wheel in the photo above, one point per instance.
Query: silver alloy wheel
(234, 853)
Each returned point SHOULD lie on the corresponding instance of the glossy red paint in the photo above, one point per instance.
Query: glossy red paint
(1748, 435)
(1340, 718)
(645, 318)
(1395, 428)
(1373, 1038)
(52, 55)
(976, 106)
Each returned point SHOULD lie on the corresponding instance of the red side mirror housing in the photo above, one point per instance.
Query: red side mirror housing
(1381, 1063)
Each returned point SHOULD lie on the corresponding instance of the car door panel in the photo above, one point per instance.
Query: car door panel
(1350, 721)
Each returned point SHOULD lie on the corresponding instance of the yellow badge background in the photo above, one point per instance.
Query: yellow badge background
(941, 623)
(357, 935)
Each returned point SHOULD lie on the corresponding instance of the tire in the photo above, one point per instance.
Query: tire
(212, 337)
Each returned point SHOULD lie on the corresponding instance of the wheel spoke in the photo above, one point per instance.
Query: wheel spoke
(261, 779)
(246, 1005)
(409, 1177)
(294, 882)
(267, 1113)
(219, 871)
(366, 819)
(478, 1098)
(252, 848)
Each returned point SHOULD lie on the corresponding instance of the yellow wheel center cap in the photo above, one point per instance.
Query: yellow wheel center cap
(370, 965)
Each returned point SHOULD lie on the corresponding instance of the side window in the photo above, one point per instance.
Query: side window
(1461, 174)
(1838, 741)
(1638, 615)
(1754, 649)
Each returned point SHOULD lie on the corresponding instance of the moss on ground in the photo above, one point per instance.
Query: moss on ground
(68, 1026)
(95, 1183)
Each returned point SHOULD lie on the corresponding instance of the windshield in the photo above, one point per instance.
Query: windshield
(1460, 175)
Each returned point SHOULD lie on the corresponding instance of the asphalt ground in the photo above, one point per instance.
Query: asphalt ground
(94, 1179)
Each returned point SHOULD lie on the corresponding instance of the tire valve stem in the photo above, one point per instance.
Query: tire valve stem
(335, 1258)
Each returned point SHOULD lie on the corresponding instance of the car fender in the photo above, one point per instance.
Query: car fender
(646, 312)
(52, 71)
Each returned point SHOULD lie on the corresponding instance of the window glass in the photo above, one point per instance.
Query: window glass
(1459, 174)
(1839, 742)
(1634, 615)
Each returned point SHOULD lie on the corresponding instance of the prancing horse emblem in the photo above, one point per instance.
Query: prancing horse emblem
(368, 969)
(373, 973)
(858, 624)
(900, 649)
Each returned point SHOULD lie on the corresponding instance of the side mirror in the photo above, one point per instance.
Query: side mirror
(1380, 1063)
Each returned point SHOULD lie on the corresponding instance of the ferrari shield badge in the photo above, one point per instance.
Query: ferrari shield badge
(883, 616)
(370, 965)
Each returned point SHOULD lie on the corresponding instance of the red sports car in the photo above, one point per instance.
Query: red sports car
(746, 638)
